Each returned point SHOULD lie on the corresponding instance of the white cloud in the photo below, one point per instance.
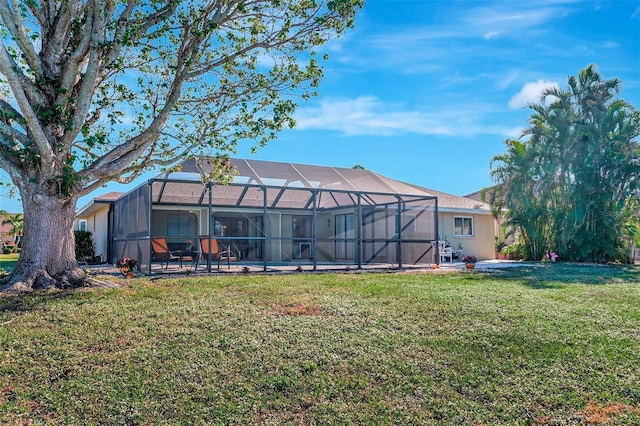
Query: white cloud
(508, 80)
(513, 17)
(491, 34)
(367, 115)
(530, 93)
(426, 49)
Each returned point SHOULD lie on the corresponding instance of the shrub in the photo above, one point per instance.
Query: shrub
(513, 251)
(7, 250)
(85, 247)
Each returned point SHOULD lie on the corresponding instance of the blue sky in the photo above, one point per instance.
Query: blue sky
(427, 91)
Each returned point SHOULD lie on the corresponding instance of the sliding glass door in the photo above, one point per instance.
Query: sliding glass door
(345, 235)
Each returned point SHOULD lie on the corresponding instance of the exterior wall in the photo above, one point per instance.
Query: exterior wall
(379, 223)
(199, 226)
(7, 238)
(282, 225)
(98, 225)
(417, 226)
(481, 244)
(159, 228)
(279, 226)
(325, 250)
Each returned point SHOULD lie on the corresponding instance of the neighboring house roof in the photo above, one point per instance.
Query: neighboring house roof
(484, 195)
(474, 196)
(98, 203)
(110, 196)
(5, 229)
(449, 202)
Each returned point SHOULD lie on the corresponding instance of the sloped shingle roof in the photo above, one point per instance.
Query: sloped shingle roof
(291, 175)
(98, 203)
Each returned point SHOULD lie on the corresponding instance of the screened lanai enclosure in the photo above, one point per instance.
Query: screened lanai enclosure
(276, 215)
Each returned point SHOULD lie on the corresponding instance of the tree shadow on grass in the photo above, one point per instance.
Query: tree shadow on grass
(557, 275)
(17, 304)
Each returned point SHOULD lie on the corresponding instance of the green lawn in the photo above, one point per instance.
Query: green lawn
(8, 261)
(556, 344)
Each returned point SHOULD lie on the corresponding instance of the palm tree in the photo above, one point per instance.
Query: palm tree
(567, 182)
(520, 195)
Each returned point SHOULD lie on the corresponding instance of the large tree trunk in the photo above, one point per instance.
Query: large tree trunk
(47, 257)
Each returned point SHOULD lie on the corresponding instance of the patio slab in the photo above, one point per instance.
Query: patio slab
(238, 268)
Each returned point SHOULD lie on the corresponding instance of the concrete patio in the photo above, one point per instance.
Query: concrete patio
(174, 268)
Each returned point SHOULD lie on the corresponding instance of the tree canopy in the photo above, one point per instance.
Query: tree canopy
(101, 90)
(572, 182)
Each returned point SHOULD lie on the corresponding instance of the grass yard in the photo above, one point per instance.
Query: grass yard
(8, 261)
(556, 344)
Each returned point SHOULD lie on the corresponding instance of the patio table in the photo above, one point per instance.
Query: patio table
(185, 254)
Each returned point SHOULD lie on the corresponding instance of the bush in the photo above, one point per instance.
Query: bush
(85, 247)
(7, 250)
(513, 252)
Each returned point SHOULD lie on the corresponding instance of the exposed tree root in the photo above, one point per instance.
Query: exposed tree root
(26, 280)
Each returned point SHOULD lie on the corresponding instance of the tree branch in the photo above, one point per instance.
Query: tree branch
(13, 134)
(14, 23)
(8, 113)
(10, 164)
(14, 80)
(73, 64)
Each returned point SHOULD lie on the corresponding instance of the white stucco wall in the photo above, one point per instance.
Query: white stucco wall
(481, 244)
(98, 225)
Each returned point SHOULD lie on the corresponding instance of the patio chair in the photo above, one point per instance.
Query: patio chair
(161, 251)
(446, 252)
(226, 254)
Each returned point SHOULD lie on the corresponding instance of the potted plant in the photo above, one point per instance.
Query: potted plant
(188, 245)
(470, 261)
(127, 266)
(499, 246)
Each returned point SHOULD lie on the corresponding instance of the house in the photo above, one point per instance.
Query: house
(96, 217)
(11, 233)
(466, 224)
(277, 214)
(6, 234)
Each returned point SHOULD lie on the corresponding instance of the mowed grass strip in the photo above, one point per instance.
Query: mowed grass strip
(553, 344)
(8, 261)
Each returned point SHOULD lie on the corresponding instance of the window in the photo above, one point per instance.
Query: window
(463, 226)
(82, 224)
(231, 226)
(302, 226)
(178, 225)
